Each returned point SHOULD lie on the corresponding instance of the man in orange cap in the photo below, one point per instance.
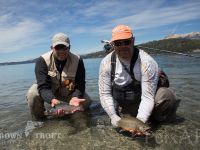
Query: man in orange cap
(128, 79)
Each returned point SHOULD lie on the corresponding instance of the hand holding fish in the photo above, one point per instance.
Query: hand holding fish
(75, 101)
(114, 120)
(54, 102)
(62, 109)
(134, 126)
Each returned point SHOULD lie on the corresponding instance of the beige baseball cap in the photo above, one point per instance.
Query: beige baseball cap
(60, 38)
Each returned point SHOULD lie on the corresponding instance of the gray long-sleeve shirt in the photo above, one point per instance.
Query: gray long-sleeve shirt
(145, 71)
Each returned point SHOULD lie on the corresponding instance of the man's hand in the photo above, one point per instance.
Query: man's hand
(75, 101)
(54, 102)
(59, 112)
(114, 120)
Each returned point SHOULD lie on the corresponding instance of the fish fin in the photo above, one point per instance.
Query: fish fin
(121, 130)
(133, 134)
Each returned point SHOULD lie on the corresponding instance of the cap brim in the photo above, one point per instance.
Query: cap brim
(121, 36)
(60, 43)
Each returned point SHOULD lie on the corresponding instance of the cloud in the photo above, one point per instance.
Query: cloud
(142, 16)
(101, 7)
(79, 30)
(23, 27)
(161, 16)
(18, 36)
(4, 18)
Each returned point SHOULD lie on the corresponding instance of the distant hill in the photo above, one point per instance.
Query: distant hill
(174, 45)
(192, 35)
(19, 62)
(98, 54)
(184, 45)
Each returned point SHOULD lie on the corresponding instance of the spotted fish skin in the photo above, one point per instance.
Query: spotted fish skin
(68, 109)
(132, 124)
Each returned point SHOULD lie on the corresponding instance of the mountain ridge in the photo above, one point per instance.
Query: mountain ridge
(185, 43)
(191, 35)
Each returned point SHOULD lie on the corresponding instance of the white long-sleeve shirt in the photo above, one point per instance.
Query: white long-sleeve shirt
(145, 70)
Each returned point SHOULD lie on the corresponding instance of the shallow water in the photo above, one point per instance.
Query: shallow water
(93, 129)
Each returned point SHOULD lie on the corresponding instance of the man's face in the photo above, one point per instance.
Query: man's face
(61, 52)
(124, 48)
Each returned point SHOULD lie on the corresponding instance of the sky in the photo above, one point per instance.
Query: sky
(26, 27)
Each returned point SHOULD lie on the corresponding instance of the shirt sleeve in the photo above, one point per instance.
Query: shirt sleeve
(43, 80)
(79, 80)
(149, 79)
(106, 99)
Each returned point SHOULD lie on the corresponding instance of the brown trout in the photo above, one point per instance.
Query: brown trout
(68, 109)
(134, 126)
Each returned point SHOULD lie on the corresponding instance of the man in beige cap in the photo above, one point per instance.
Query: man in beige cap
(60, 76)
(128, 82)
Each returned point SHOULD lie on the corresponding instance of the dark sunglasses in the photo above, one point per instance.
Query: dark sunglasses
(122, 43)
(61, 47)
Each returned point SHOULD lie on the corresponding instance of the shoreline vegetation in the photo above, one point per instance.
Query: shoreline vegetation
(187, 46)
(182, 45)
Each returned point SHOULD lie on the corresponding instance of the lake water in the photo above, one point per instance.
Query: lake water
(93, 130)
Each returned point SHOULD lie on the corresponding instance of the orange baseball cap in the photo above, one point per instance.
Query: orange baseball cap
(121, 32)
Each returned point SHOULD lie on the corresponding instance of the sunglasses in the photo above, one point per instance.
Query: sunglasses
(61, 48)
(122, 43)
